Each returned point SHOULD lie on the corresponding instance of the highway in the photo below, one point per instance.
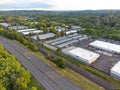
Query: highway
(96, 79)
(44, 74)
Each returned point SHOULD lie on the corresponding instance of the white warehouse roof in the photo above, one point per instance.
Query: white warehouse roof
(4, 24)
(28, 32)
(71, 31)
(106, 46)
(25, 30)
(115, 70)
(83, 55)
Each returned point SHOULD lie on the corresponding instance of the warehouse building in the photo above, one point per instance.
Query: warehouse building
(61, 41)
(32, 32)
(71, 31)
(62, 38)
(66, 44)
(18, 27)
(59, 28)
(55, 40)
(49, 46)
(84, 37)
(106, 46)
(115, 71)
(26, 30)
(67, 41)
(5, 24)
(81, 54)
(76, 27)
(43, 36)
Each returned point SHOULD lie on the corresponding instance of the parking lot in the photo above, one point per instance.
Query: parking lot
(105, 62)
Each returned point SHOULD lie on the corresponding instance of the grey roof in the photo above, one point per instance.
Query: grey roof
(83, 38)
(67, 43)
(57, 39)
(72, 35)
(62, 41)
(43, 36)
(76, 27)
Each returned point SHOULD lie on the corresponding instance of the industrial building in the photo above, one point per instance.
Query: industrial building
(55, 40)
(5, 24)
(43, 36)
(66, 41)
(18, 27)
(61, 41)
(26, 30)
(76, 27)
(59, 28)
(32, 32)
(81, 54)
(71, 31)
(84, 37)
(115, 71)
(106, 46)
(49, 46)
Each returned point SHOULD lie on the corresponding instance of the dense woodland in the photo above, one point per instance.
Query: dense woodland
(104, 23)
(12, 75)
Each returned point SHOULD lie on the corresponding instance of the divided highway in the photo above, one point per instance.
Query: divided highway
(44, 74)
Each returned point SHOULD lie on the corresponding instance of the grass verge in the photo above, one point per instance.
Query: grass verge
(79, 80)
(92, 70)
(33, 83)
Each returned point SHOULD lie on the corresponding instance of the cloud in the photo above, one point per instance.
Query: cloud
(22, 4)
(60, 4)
(87, 4)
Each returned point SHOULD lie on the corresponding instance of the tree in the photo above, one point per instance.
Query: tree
(60, 63)
(34, 88)
(12, 75)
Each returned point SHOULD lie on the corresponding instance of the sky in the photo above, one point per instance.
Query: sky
(59, 4)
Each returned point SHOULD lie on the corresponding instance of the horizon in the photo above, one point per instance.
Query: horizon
(61, 10)
(60, 5)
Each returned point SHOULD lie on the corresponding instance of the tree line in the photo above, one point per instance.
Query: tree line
(12, 75)
(13, 35)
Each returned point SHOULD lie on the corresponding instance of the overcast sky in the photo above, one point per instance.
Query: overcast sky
(59, 4)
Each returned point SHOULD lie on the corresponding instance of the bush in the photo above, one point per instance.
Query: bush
(58, 61)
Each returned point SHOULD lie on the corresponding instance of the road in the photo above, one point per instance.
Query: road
(96, 79)
(44, 74)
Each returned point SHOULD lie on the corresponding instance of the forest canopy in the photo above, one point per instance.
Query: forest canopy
(12, 75)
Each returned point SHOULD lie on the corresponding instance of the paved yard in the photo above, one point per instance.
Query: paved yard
(104, 63)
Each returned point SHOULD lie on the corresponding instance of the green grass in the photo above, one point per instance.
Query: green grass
(93, 70)
(33, 83)
(79, 80)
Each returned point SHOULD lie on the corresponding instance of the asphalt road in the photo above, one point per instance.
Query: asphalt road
(96, 79)
(44, 74)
